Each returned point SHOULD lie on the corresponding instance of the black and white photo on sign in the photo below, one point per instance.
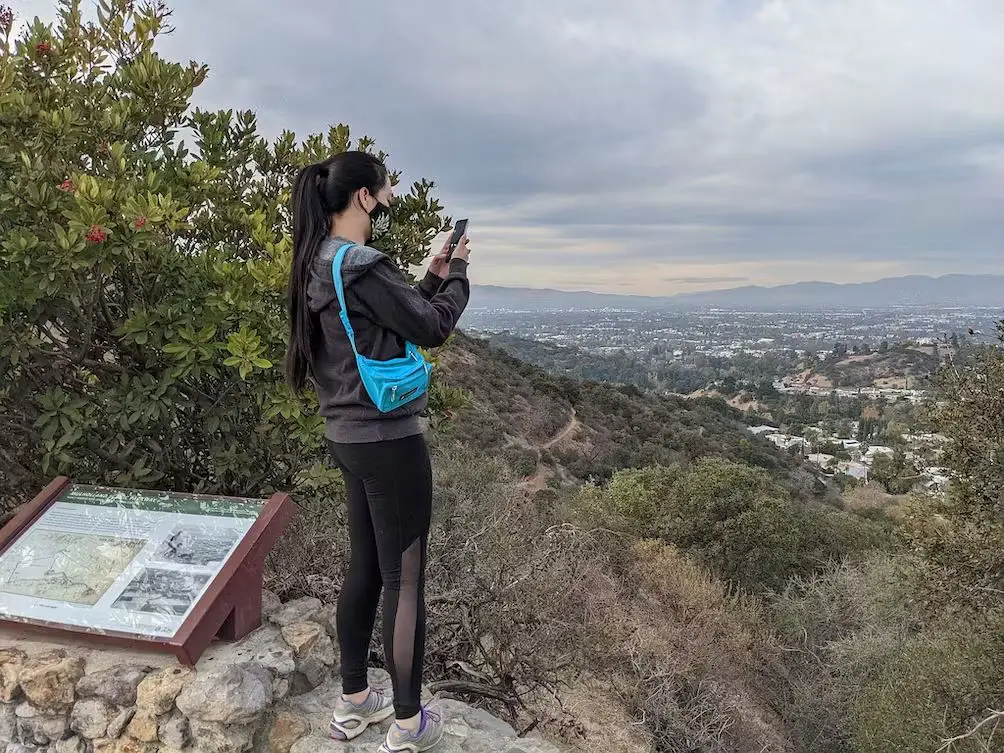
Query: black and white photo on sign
(200, 545)
(169, 592)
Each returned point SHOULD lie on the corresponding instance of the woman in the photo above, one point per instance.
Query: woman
(342, 203)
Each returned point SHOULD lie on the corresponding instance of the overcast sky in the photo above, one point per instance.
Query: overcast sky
(651, 146)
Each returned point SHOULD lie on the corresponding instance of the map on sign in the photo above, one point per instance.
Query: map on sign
(121, 560)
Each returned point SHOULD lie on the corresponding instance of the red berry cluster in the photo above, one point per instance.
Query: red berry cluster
(43, 48)
(139, 223)
(67, 185)
(96, 235)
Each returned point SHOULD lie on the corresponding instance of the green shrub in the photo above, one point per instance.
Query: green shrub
(142, 277)
(732, 517)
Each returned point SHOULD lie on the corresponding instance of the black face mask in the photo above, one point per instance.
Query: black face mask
(379, 221)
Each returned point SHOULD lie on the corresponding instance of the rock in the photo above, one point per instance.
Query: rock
(280, 688)
(143, 726)
(91, 716)
(298, 610)
(302, 636)
(18, 748)
(481, 723)
(286, 730)
(49, 680)
(173, 731)
(230, 695)
(117, 685)
(212, 737)
(11, 662)
(331, 622)
(314, 655)
(105, 746)
(38, 726)
(117, 725)
(270, 603)
(8, 724)
(136, 746)
(263, 646)
(157, 691)
(71, 745)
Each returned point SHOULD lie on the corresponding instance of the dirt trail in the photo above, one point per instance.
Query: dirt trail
(572, 425)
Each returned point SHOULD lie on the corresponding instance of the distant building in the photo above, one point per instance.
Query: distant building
(875, 450)
(855, 470)
(758, 430)
(821, 459)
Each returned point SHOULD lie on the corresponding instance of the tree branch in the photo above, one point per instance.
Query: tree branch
(995, 716)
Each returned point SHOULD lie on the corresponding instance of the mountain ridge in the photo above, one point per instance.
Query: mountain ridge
(910, 290)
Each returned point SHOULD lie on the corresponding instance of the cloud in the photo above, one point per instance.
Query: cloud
(586, 139)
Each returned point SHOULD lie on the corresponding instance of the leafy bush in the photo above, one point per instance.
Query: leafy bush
(142, 276)
(732, 517)
(961, 536)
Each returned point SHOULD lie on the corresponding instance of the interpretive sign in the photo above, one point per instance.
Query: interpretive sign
(129, 566)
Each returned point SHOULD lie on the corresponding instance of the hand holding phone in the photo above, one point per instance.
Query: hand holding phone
(459, 231)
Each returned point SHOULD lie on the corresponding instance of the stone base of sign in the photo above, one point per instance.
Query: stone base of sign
(272, 691)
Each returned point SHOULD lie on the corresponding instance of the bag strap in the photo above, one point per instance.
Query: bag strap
(336, 275)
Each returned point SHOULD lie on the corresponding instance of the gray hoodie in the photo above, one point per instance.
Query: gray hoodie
(385, 311)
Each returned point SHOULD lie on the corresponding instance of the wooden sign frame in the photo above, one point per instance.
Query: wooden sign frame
(229, 608)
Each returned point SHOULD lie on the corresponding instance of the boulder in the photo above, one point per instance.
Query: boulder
(73, 744)
(37, 726)
(263, 646)
(230, 695)
(212, 737)
(285, 731)
(49, 681)
(302, 636)
(11, 662)
(116, 685)
(173, 731)
(117, 725)
(158, 690)
(91, 716)
(8, 724)
(143, 726)
(298, 610)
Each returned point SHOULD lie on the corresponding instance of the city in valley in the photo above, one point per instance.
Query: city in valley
(848, 390)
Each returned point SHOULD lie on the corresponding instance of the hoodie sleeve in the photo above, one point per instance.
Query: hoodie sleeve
(401, 308)
(429, 285)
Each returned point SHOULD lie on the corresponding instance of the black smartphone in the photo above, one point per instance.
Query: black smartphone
(458, 232)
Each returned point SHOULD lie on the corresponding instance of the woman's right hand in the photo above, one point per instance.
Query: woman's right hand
(463, 250)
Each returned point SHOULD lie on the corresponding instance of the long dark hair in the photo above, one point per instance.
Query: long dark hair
(319, 191)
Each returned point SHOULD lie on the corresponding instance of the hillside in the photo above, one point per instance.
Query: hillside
(573, 361)
(906, 367)
(524, 412)
(914, 290)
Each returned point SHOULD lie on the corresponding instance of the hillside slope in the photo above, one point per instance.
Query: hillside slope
(907, 367)
(524, 412)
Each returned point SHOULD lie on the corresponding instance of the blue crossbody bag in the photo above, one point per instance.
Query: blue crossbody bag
(390, 384)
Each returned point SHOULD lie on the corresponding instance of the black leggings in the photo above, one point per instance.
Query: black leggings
(389, 493)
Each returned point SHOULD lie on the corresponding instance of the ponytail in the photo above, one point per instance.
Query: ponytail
(319, 191)
(310, 227)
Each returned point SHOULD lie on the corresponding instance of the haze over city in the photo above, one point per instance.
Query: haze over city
(650, 148)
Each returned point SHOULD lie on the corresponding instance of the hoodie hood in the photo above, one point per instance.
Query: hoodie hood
(358, 261)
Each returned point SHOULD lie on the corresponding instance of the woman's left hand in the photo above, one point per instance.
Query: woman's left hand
(440, 265)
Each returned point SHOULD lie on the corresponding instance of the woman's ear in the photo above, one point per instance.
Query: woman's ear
(363, 196)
